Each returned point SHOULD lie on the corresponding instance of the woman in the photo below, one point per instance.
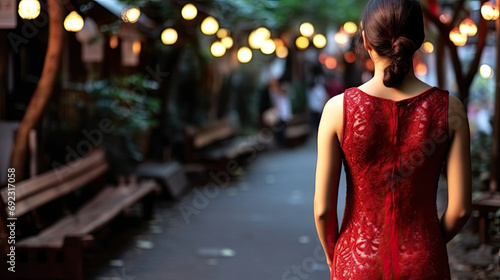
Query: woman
(393, 133)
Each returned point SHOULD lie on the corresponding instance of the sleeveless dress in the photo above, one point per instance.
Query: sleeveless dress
(393, 153)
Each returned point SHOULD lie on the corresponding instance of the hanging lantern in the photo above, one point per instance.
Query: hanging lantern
(29, 9)
(217, 49)
(189, 12)
(113, 41)
(169, 36)
(244, 55)
(131, 14)
(306, 29)
(73, 22)
(458, 38)
(319, 41)
(468, 27)
(350, 28)
(209, 26)
(136, 47)
(489, 11)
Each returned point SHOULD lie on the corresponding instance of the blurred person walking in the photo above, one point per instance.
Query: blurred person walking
(393, 134)
(317, 98)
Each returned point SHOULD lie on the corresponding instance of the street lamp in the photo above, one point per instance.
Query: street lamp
(29, 9)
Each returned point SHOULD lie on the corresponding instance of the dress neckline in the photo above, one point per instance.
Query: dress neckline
(402, 100)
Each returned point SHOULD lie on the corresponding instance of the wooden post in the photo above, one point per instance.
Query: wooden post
(495, 166)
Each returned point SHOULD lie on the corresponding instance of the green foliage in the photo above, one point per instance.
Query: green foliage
(124, 101)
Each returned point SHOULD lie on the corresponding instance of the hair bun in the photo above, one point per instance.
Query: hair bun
(401, 60)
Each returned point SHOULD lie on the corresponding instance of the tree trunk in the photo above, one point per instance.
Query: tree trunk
(495, 156)
(43, 90)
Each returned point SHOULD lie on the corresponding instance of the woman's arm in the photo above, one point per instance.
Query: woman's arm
(328, 168)
(458, 171)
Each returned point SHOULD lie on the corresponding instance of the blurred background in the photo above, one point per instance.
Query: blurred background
(176, 139)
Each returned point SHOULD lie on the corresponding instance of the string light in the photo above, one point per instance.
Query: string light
(306, 29)
(189, 12)
(29, 9)
(209, 26)
(169, 36)
(244, 55)
(73, 22)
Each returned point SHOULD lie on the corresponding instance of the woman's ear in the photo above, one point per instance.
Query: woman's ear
(365, 43)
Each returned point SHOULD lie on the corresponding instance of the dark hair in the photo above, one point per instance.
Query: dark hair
(395, 30)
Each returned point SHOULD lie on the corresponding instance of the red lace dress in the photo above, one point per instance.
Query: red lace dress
(393, 153)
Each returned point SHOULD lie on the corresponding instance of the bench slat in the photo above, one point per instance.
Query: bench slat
(47, 195)
(218, 131)
(51, 178)
(106, 205)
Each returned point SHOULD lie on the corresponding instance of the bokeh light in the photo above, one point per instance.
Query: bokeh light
(306, 29)
(244, 55)
(217, 49)
(29, 9)
(73, 22)
(189, 12)
(341, 38)
(268, 47)
(258, 36)
(428, 47)
(350, 28)
(489, 11)
(319, 41)
(281, 51)
(468, 27)
(227, 42)
(486, 71)
(223, 32)
(350, 57)
(131, 14)
(209, 26)
(169, 36)
(331, 63)
(302, 43)
(457, 37)
(420, 69)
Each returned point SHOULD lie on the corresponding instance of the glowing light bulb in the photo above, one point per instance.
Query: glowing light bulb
(131, 14)
(73, 22)
(302, 43)
(169, 36)
(319, 41)
(209, 26)
(189, 12)
(306, 29)
(244, 55)
(428, 47)
(217, 49)
(350, 28)
(29, 9)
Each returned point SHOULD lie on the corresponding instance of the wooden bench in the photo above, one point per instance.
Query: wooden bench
(169, 174)
(215, 145)
(297, 130)
(56, 251)
(486, 204)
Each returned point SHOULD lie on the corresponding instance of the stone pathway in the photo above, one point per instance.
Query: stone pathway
(259, 226)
